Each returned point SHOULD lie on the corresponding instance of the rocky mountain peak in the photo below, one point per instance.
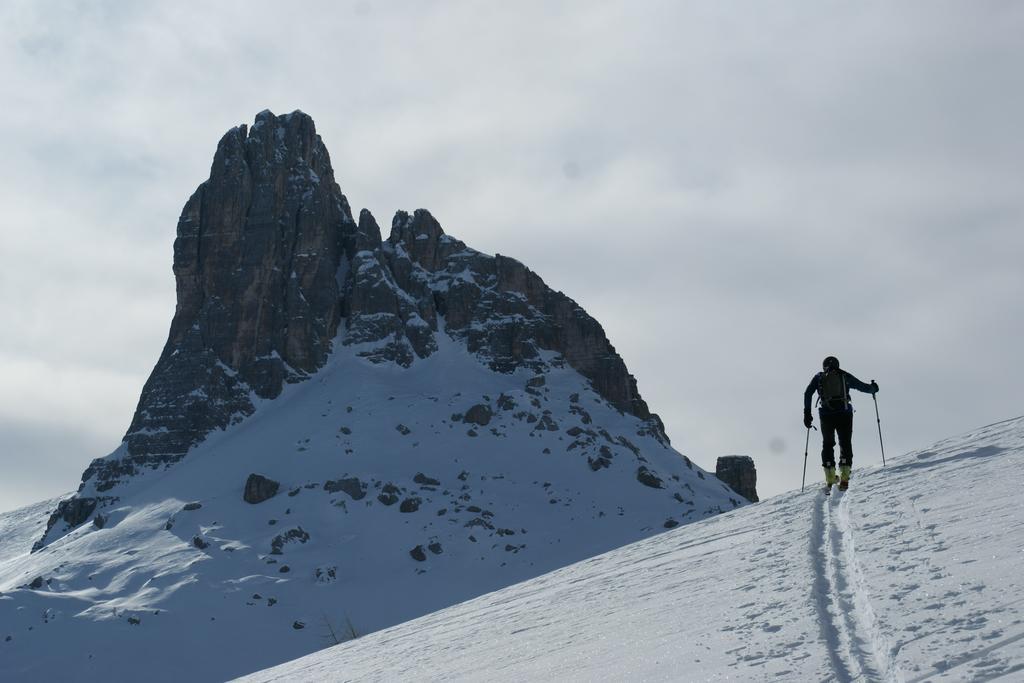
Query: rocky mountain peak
(340, 426)
(421, 237)
(258, 248)
(273, 273)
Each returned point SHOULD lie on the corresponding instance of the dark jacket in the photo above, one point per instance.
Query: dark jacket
(851, 383)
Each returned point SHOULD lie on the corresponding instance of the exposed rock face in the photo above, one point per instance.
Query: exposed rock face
(739, 473)
(501, 309)
(69, 514)
(75, 510)
(258, 249)
(271, 270)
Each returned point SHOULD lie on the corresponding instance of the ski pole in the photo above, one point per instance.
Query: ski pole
(807, 444)
(879, 421)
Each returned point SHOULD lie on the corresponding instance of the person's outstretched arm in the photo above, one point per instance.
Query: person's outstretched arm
(855, 383)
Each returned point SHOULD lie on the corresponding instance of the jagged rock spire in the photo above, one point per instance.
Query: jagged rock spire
(271, 269)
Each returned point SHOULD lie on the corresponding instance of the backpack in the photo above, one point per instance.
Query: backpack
(832, 390)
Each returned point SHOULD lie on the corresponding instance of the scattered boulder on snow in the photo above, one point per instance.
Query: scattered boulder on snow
(326, 574)
(603, 459)
(99, 521)
(298, 625)
(259, 488)
(418, 554)
(355, 488)
(189, 507)
(297, 534)
(479, 414)
(411, 504)
(648, 478)
(478, 521)
(198, 542)
(389, 494)
(424, 480)
(403, 430)
(436, 548)
(37, 583)
(739, 473)
(546, 422)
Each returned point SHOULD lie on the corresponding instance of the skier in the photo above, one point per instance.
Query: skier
(836, 412)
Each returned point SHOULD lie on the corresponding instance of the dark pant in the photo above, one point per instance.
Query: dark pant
(832, 424)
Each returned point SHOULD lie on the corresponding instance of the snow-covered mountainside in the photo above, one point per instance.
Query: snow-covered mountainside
(342, 433)
(914, 574)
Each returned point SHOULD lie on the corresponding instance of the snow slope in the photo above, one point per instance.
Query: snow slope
(19, 529)
(914, 574)
(184, 580)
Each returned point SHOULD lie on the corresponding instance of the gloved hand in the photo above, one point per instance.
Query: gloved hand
(874, 387)
(808, 420)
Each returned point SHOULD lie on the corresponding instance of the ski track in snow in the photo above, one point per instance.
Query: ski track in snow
(856, 646)
(830, 619)
(881, 651)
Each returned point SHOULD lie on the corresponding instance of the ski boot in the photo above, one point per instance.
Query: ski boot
(844, 477)
(830, 479)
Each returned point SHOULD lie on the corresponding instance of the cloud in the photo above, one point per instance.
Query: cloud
(734, 191)
(39, 462)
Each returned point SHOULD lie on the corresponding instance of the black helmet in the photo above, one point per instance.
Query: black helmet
(830, 363)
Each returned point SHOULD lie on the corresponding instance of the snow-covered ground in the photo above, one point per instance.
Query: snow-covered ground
(914, 574)
(391, 506)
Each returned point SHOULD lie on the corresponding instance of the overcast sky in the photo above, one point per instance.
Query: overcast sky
(735, 190)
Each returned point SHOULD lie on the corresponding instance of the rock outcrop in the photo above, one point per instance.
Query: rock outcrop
(259, 488)
(258, 249)
(739, 473)
(272, 271)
